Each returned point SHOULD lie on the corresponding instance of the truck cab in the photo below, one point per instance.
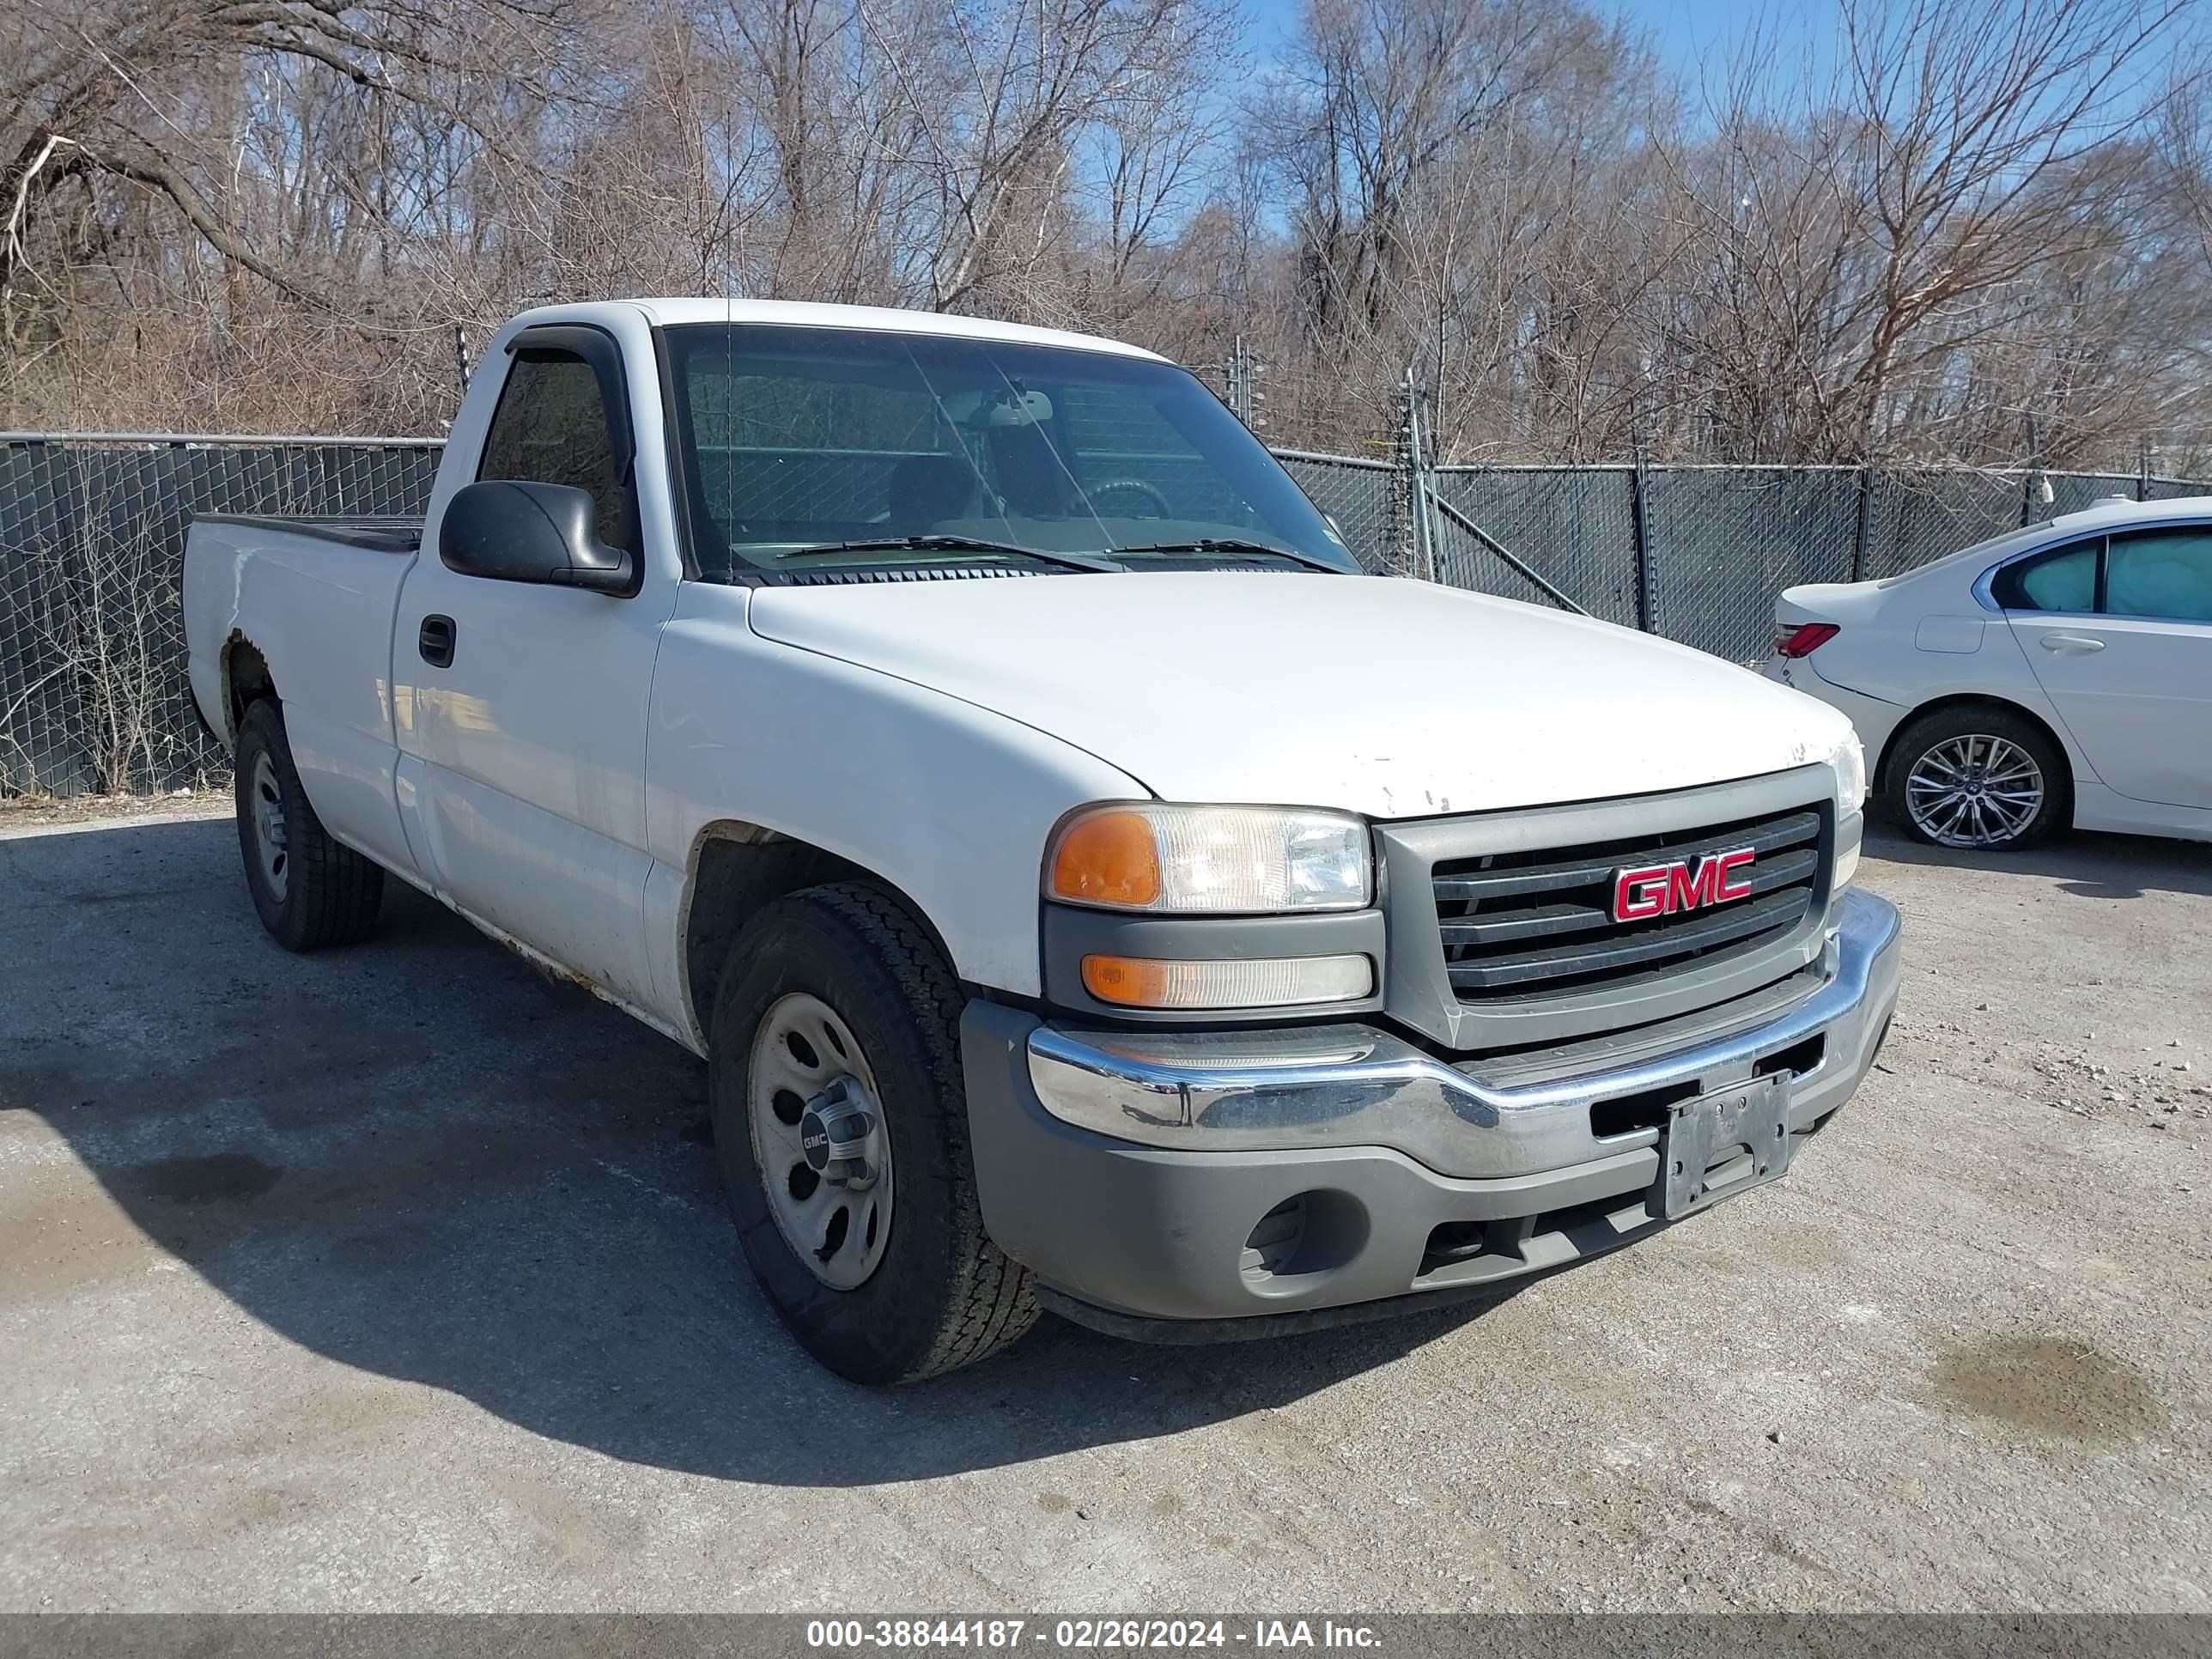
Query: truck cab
(1088, 890)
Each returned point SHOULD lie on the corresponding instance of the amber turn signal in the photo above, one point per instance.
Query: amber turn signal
(1108, 857)
(1271, 982)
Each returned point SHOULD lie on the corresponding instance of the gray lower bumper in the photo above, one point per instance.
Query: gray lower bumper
(1388, 1173)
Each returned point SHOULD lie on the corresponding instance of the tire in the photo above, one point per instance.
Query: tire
(1941, 774)
(928, 1292)
(311, 892)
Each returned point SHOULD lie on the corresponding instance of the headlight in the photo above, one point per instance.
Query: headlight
(1210, 860)
(1850, 762)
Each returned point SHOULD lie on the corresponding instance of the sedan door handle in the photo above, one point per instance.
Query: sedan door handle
(434, 640)
(2071, 642)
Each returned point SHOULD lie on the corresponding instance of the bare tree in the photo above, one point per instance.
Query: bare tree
(295, 213)
(1872, 270)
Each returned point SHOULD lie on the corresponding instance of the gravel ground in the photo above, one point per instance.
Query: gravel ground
(396, 1279)
(24, 815)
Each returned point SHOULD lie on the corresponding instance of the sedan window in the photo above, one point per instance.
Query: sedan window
(2166, 574)
(2063, 579)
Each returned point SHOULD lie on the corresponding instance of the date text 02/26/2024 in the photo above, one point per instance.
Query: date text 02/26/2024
(1011, 1635)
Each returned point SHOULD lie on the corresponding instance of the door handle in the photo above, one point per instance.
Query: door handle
(435, 642)
(2071, 642)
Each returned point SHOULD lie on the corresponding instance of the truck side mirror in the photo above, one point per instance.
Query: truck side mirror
(514, 531)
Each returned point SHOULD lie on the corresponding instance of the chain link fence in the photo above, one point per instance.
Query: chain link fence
(1575, 526)
(1698, 553)
(1364, 498)
(93, 697)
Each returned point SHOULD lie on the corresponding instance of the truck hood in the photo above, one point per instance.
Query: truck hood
(1391, 698)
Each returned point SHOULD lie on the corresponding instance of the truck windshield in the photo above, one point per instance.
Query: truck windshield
(830, 445)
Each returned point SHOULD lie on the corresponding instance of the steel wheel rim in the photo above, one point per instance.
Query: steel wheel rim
(267, 817)
(1974, 790)
(806, 1071)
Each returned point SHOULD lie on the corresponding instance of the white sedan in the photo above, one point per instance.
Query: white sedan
(2059, 674)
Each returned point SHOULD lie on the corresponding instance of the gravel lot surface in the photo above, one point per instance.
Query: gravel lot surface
(398, 1278)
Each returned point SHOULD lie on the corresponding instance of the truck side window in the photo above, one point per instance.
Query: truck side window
(551, 427)
(2063, 579)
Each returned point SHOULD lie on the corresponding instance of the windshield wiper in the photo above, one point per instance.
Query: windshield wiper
(951, 544)
(1232, 545)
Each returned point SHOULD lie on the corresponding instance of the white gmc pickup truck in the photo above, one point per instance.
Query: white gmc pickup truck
(1087, 889)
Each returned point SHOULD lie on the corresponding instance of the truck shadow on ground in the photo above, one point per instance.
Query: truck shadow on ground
(2085, 863)
(420, 1158)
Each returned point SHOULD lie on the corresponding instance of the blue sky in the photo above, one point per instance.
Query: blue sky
(1688, 33)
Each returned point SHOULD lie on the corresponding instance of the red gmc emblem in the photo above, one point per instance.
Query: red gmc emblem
(1661, 889)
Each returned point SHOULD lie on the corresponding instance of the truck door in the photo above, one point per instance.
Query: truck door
(524, 734)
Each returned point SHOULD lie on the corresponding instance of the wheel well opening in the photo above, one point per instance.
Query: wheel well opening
(1887, 783)
(739, 868)
(246, 678)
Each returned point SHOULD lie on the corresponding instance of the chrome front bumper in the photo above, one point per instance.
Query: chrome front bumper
(1129, 1170)
(1352, 1086)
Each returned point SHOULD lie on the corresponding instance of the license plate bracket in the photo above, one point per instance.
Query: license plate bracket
(1722, 1144)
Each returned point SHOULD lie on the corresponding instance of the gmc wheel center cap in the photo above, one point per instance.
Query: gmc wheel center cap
(837, 1135)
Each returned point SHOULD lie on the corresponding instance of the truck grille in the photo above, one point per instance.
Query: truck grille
(1532, 924)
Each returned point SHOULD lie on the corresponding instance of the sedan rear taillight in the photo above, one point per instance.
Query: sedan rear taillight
(1803, 639)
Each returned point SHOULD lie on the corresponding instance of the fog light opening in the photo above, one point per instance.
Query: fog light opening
(1275, 1238)
(1309, 1234)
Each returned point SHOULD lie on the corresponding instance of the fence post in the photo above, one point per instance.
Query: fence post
(2142, 467)
(2028, 488)
(1424, 487)
(1414, 548)
(1868, 480)
(1401, 488)
(1639, 527)
(1238, 376)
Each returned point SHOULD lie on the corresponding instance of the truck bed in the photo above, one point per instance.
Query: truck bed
(315, 599)
(377, 534)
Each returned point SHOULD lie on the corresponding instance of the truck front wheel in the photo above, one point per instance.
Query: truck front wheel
(841, 1123)
(309, 889)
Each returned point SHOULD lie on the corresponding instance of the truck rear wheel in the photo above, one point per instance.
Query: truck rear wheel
(841, 1122)
(310, 890)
